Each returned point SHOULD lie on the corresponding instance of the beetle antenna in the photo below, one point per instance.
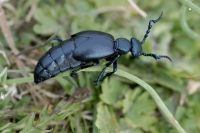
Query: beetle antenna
(157, 56)
(150, 26)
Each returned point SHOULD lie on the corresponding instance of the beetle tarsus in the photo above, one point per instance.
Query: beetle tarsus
(73, 75)
(99, 77)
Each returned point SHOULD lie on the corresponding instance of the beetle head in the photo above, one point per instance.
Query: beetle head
(136, 48)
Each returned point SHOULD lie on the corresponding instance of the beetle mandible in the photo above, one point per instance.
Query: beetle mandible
(86, 47)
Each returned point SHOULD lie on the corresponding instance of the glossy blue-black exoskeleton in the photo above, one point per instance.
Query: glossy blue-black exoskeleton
(88, 47)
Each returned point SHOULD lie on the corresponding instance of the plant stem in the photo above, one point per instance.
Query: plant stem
(191, 5)
(185, 26)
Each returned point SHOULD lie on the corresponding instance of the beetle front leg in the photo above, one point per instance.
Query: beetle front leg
(104, 69)
(110, 73)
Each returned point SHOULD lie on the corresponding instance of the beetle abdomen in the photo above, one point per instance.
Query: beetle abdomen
(55, 61)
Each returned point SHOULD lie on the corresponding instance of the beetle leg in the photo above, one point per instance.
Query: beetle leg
(104, 69)
(58, 39)
(110, 73)
(52, 45)
(73, 73)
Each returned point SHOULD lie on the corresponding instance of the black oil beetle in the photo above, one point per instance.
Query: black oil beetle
(85, 47)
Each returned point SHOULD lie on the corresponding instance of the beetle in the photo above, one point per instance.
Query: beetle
(89, 47)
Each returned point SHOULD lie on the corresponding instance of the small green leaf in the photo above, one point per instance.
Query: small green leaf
(3, 127)
(101, 3)
(106, 121)
(163, 78)
(112, 91)
(29, 125)
(141, 115)
(130, 96)
(3, 76)
(47, 23)
(184, 45)
(4, 103)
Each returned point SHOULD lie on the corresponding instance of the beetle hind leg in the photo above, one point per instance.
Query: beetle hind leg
(74, 72)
